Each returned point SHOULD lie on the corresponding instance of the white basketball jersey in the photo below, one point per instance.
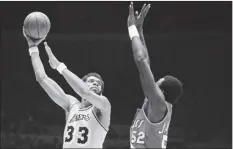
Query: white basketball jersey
(83, 129)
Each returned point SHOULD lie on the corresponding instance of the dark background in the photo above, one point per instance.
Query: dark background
(190, 40)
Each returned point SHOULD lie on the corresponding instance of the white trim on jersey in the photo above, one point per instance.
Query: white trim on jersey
(84, 109)
(73, 105)
(99, 121)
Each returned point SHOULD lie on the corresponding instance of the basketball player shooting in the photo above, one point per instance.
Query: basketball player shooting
(150, 125)
(87, 122)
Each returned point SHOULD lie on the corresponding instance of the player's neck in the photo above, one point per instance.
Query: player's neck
(85, 104)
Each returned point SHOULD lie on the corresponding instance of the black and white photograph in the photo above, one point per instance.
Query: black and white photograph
(116, 74)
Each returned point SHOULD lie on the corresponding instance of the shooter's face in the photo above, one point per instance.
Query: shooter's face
(94, 84)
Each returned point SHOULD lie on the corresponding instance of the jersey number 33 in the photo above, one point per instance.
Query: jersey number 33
(82, 139)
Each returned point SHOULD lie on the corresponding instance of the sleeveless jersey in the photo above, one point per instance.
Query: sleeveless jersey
(144, 134)
(83, 129)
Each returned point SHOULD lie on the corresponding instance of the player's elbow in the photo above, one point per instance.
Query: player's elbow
(84, 92)
(40, 77)
(140, 59)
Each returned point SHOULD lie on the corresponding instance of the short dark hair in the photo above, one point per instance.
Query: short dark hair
(172, 88)
(95, 75)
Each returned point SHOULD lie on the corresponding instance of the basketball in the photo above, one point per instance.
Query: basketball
(36, 25)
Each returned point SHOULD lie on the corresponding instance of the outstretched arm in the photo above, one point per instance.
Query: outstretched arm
(142, 38)
(151, 89)
(139, 20)
(54, 91)
(77, 83)
(82, 89)
(51, 87)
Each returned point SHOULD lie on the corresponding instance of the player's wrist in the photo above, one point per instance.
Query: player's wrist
(140, 30)
(133, 32)
(61, 67)
(33, 49)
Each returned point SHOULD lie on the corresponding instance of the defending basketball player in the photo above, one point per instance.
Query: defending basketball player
(87, 122)
(150, 125)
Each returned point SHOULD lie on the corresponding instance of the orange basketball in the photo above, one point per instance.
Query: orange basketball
(36, 25)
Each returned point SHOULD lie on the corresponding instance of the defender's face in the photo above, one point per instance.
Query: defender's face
(94, 84)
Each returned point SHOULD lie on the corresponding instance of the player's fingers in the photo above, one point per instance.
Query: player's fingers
(51, 65)
(136, 14)
(146, 10)
(143, 7)
(24, 33)
(45, 44)
(47, 49)
(40, 40)
(44, 38)
(131, 10)
(142, 10)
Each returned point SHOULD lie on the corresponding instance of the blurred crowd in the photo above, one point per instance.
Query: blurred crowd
(27, 132)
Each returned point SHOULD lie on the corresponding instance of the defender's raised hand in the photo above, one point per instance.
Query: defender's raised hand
(139, 18)
(131, 17)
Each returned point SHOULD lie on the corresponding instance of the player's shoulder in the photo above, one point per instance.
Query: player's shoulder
(107, 102)
(72, 98)
(104, 97)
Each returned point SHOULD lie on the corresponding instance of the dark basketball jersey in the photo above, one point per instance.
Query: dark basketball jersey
(144, 134)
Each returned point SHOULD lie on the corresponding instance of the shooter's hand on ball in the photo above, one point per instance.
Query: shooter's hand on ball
(52, 59)
(32, 42)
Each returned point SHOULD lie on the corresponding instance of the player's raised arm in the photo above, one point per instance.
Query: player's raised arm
(51, 87)
(78, 85)
(139, 20)
(141, 58)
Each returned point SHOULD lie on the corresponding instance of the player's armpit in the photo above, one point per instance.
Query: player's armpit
(55, 92)
(155, 112)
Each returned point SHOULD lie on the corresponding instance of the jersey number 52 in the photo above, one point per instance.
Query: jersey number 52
(82, 130)
(138, 137)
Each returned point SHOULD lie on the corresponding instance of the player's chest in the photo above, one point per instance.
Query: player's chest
(77, 116)
(138, 124)
(137, 131)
